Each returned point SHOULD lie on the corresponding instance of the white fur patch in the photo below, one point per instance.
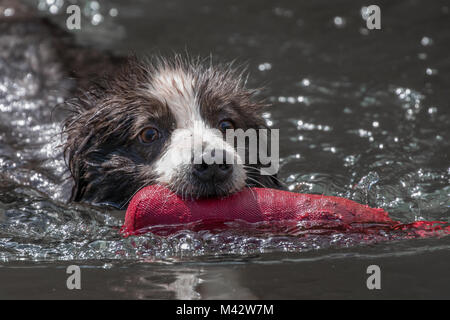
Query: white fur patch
(176, 88)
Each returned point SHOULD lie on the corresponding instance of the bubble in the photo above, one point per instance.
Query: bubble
(113, 12)
(432, 110)
(339, 22)
(364, 31)
(426, 41)
(422, 56)
(350, 160)
(94, 5)
(9, 12)
(430, 71)
(264, 66)
(365, 13)
(305, 82)
(97, 19)
(53, 9)
(185, 246)
(282, 12)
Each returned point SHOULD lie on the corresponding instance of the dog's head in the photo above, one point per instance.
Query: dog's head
(160, 122)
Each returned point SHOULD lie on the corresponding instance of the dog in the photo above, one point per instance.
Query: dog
(141, 126)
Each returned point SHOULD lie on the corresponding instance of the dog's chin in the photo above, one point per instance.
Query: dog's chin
(191, 191)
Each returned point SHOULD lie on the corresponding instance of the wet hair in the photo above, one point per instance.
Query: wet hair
(103, 151)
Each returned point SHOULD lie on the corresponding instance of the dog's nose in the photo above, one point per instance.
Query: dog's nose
(212, 172)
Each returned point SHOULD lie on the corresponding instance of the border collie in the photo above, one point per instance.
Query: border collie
(142, 125)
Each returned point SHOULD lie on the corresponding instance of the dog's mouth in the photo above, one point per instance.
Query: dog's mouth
(190, 186)
(195, 191)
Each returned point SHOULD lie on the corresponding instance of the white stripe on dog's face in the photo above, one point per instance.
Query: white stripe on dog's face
(176, 88)
(192, 135)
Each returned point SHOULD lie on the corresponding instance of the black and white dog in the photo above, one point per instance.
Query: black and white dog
(142, 125)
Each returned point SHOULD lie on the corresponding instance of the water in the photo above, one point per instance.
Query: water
(363, 114)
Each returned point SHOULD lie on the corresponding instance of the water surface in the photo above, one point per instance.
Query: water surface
(362, 114)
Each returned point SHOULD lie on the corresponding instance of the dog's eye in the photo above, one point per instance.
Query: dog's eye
(226, 124)
(148, 135)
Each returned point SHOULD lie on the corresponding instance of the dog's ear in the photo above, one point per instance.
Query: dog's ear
(75, 149)
(77, 139)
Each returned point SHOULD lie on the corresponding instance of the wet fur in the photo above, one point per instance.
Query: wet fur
(107, 162)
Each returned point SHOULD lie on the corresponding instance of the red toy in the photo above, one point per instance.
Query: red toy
(156, 208)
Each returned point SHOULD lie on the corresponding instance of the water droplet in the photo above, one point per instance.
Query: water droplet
(365, 13)
(305, 82)
(8, 12)
(97, 19)
(422, 56)
(53, 9)
(365, 184)
(113, 12)
(426, 41)
(264, 66)
(282, 12)
(430, 71)
(291, 99)
(350, 160)
(94, 5)
(339, 22)
(185, 246)
(347, 110)
(364, 31)
(432, 110)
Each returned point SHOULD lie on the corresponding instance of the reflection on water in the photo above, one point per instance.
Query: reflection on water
(363, 115)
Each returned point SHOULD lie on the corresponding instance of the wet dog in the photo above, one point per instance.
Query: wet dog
(143, 125)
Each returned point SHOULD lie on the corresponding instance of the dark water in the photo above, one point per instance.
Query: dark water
(362, 114)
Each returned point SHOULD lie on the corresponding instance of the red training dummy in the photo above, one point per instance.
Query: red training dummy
(157, 206)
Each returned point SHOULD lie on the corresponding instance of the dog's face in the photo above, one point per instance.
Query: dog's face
(155, 123)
